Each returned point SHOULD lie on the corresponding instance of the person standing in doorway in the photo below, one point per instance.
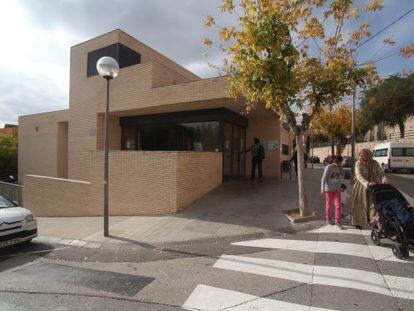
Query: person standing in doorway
(258, 155)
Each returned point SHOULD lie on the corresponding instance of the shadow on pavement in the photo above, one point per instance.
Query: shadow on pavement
(134, 242)
(20, 254)
(253, 204)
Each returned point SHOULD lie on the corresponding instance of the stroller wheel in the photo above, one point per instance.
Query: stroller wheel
(375, 237)
(400, 252)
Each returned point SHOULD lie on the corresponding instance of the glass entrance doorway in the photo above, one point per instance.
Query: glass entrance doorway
(234, 139)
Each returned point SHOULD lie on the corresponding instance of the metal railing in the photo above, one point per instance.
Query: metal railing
(13, 192)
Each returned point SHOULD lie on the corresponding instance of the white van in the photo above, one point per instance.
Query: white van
(393, 156)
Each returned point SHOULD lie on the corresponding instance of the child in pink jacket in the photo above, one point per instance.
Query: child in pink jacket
(331, 189)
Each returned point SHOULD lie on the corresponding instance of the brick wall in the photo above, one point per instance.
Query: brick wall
(48, 196)
(9, 132)
(140, 183)
(197, 174)
(38, 143)
(266, 129)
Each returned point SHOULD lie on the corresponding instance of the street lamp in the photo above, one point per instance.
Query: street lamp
(108, 69)
(353, 136)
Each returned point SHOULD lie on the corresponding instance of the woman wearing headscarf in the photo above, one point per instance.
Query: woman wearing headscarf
(368, 172)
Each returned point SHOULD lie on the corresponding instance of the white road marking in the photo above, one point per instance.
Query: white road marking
(4, 306)
(409, 198)
(345, 230)
(401, 287)
(273, 268)
(327, 247)
(322, 275)
(212, 298)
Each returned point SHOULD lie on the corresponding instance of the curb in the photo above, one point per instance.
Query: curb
(159, 246)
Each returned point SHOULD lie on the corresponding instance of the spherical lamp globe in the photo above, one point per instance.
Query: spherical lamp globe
(107, 67)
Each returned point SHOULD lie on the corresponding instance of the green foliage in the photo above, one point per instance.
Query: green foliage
(389, 103)
(269, 58)
(8, 154)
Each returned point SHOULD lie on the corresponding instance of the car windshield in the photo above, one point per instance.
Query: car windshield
(4, 203)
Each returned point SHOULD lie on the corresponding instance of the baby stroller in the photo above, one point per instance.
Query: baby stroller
(395, 219)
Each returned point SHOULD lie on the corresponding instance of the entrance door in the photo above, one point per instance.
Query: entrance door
(227, 150)
(233, 151)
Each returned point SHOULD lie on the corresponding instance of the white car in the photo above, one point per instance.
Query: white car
(394, 156)
(17, 224)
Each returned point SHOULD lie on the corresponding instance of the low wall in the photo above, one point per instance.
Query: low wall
(140, 183)
(323, 152)
(50, 196)
(197, 174)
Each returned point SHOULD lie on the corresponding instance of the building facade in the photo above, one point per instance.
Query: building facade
(9, 130)
(173, 136)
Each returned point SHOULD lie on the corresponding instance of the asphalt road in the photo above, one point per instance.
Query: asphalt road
(327, 268)
(403, 181)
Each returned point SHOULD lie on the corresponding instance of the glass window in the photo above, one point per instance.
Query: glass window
(201, 136)
(397, 152)
(285, 149)
(4, 203)
(409, 152)
(196, 136)
(381, 153)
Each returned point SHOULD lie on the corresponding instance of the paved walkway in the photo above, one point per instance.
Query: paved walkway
(237, 208)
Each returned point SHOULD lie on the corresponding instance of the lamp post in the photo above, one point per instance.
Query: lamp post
(108, 69)
(353, 136)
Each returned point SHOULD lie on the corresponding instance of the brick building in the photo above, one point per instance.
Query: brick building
(173, 136)
(9, 130)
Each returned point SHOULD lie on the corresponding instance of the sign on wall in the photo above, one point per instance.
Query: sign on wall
(272, 145)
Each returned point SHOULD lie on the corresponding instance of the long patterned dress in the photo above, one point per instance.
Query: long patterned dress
(362, 206)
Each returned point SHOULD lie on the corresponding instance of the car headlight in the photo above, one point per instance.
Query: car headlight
(29, 218)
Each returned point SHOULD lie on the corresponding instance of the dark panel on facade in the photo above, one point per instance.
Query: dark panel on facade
(123, 54)
(205, 115)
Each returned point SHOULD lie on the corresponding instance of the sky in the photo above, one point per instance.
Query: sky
(37, 36)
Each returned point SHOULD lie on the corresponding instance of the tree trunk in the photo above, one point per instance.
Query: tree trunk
(332, 146)
(338, 148)
(303, 201)
(402, 129)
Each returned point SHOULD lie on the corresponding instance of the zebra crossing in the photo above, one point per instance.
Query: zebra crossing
(338, 265)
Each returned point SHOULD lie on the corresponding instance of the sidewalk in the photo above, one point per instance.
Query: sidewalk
(237, 208)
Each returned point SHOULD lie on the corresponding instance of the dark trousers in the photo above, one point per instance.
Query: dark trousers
(259, 163)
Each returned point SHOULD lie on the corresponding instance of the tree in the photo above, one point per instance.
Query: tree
(335, 124)
(389, 103)
(8, 155)
(283, 55)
